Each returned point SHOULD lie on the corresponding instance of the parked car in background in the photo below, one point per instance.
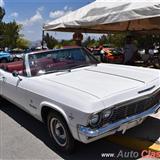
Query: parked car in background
(79, 98)
(113, 55)
(17, 55)
(110, 55)
(149, 57)
(4, 57)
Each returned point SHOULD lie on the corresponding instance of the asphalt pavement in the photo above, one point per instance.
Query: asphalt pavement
(24, 138)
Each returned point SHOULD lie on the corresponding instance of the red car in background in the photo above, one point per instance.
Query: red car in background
(110, 55)
(113, 55)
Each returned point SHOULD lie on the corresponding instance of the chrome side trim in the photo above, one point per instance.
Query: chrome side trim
(148, 89)
(88, 132)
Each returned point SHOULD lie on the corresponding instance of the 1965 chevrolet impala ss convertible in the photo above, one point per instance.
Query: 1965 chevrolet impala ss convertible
(79, 98)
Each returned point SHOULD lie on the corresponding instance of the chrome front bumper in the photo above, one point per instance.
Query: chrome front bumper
(87, 134)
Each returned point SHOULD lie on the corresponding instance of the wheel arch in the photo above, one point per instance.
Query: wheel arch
(46, 107)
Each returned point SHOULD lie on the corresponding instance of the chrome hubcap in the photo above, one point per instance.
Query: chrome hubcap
(58, 132)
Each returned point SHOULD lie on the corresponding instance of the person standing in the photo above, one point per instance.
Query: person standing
(130, 50)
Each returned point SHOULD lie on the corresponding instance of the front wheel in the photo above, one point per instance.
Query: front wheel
(15, 59)
(60, 133)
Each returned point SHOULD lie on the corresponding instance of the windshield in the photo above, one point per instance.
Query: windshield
(59, 60)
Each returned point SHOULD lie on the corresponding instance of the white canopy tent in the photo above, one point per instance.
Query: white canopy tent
(104, 16)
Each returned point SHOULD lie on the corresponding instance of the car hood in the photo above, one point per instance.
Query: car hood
(104, 79)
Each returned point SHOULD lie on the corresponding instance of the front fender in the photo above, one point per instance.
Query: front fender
(54, 107)
(72, 129)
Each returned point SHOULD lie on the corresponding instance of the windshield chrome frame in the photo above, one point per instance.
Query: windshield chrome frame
(28, 70)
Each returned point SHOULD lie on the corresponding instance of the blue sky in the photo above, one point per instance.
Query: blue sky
(34, 13)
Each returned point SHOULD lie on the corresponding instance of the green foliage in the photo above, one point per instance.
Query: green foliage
(90, 42)
(9, 33)
(22, 43)
(117, 39)
(2, 13)
(103, 40)
(50, 41)
(147, 40)
(68, 43)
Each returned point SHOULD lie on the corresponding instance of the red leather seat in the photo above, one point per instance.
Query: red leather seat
(15, 66)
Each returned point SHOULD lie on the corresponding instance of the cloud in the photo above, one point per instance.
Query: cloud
(14, 14)
(37, 17)
(66, 8)
(56, 14)
(32, 26)
(40, 9)
(2, 3)
(60, 13)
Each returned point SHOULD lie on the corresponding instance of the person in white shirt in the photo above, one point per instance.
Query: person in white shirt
(151, 51)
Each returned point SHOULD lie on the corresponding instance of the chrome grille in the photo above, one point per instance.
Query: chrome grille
(128, 109)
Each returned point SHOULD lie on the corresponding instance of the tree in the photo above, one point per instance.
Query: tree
(22, 43)
(148, 40)
(2, 13)
(10, 34)
(2, 28)
(68, 43)
(50, 41)
(117, 40)
(103, 40)
(89, 42)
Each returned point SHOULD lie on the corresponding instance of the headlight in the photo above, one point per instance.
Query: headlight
(106, 114)
(94, 120)
(98, 118)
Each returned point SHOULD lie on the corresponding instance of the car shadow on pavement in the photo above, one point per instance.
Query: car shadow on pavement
(90, 151)
(149, 130)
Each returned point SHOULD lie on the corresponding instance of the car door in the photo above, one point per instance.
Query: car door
(12, 89)
(18, 90)
(1, 80)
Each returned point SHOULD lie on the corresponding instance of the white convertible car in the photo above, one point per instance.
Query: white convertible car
(79, 98)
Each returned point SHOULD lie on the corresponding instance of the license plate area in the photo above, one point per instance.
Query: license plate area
(129, 125)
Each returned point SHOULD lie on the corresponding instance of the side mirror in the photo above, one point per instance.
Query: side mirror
(16, 74)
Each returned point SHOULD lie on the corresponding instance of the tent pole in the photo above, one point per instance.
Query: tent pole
(43, 37)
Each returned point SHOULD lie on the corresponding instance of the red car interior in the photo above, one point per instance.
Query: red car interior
(37, 65)
(13, 66)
